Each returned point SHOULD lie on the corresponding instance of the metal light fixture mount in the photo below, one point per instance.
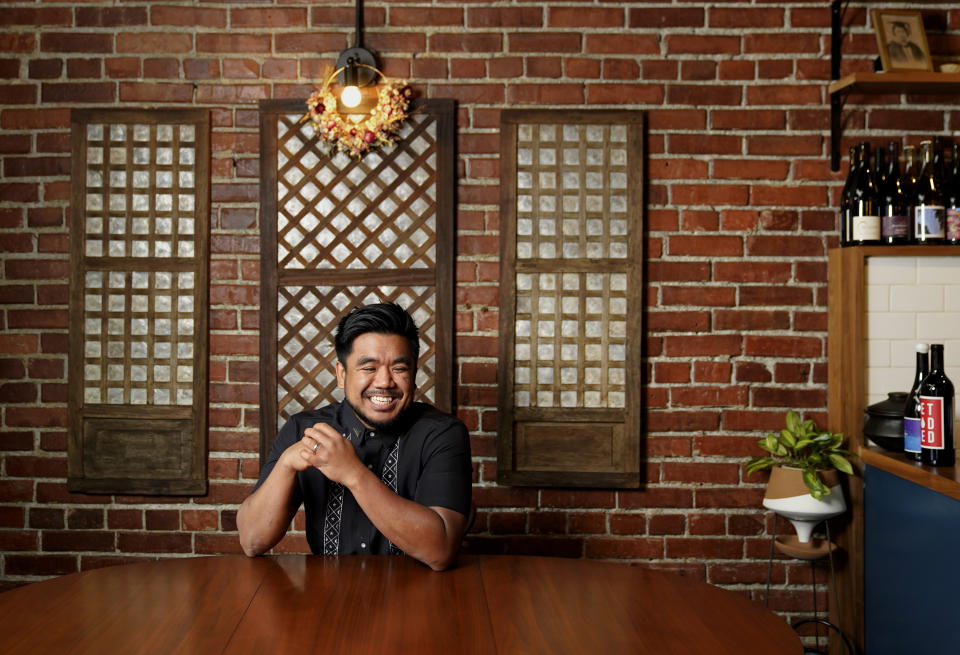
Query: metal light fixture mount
(357, 63)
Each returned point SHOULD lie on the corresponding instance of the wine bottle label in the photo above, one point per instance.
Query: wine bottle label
(928, 221)
(953, 224)
(931, 415)
(866, 228)
(911, 435)
(895, 226)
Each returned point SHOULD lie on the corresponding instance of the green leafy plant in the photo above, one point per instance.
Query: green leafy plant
(803, 445)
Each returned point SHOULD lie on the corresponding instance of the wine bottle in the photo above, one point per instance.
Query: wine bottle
(938, 159)
(910, 172)
(894, 207)
(936, 413)
(879, 168)
(952, 193)
(928, 209)
(845, 199)
(864, 201)
(911, 410)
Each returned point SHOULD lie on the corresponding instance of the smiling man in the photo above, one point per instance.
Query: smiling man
(376, 473)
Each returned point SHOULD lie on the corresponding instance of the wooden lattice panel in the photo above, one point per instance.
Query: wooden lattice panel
(376, 213)
(138, 347)
(571, 269)
(307, 316)
(349, 232)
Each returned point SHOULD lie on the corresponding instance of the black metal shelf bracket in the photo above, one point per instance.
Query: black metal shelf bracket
(837, 9)
(837, 100)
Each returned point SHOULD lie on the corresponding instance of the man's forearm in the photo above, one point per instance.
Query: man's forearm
(430, 535)
(265, 515)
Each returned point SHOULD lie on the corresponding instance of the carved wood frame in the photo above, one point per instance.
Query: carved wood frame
(546, 438)
(139, 212)
(426, 290)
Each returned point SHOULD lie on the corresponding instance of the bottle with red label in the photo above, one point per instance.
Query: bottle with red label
(937, 413)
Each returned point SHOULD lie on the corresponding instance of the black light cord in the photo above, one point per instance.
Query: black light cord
(358, 36)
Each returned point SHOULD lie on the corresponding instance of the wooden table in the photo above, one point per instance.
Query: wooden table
(358, 605)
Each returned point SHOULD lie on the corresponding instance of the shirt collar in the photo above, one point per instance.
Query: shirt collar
(357, 432)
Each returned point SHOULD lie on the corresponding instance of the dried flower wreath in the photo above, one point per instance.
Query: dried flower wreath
(356, 137)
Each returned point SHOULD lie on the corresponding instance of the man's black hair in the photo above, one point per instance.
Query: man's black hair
(894, 25)
(381, 318)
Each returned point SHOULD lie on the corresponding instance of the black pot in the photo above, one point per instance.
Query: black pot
(883, 421)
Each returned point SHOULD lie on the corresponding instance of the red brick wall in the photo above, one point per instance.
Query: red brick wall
(739, 218)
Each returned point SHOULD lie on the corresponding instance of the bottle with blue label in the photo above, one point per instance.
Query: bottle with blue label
(911, 411)
(929, 212)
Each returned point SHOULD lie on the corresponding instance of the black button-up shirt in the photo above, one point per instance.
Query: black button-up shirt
(434, 470)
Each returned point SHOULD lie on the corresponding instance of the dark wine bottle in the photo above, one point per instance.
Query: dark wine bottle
(910, 170)
(939, 167)
(911, 410)
(928, 209)
(879, 168)
(952, 193)
(894, 206)
(864, 201)
(845, 199)
(936, 413)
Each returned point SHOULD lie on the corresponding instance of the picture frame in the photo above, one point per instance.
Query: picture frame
(901, 41)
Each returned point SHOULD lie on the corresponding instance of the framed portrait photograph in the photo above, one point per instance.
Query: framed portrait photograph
(901, 40)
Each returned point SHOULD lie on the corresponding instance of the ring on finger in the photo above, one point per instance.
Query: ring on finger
(315, 446)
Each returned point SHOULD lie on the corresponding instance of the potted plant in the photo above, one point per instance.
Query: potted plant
(804, 463)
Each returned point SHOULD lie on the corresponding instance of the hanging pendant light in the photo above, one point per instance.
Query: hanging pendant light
(361, 114)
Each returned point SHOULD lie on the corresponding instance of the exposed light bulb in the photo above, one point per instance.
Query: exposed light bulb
(350, 97)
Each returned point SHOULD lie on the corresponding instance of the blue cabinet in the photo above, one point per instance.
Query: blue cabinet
(911, 567)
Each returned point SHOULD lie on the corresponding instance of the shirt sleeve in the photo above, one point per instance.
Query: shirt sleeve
(446, 478)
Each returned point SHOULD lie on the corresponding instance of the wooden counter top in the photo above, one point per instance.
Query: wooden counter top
(942, 479)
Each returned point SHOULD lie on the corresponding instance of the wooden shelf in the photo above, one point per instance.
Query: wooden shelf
(877, 83)
(902, 251)
(919, 82)
(942, 479)
(922, 82)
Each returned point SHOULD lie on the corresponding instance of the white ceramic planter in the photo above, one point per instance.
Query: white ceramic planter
(789, 497)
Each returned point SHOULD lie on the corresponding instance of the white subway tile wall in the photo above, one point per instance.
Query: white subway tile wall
(910, 300)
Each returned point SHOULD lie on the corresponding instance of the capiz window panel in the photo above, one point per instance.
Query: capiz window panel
(571, 298)
(138, 302)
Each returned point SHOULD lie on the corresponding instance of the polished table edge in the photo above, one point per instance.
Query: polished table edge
(549, 600)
